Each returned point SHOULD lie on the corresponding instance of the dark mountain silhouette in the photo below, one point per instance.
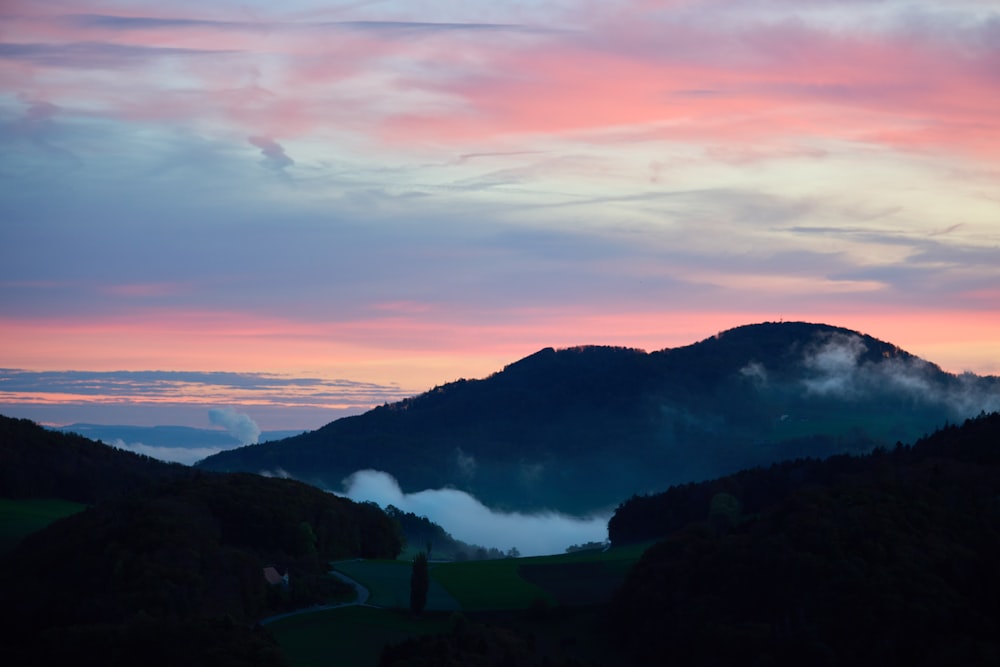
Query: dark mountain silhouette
(882, 559)
(887, 558)
(167, 565)
(38, 463)
(579, 429)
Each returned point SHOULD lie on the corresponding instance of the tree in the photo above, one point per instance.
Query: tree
(420, 581)
(724, 512)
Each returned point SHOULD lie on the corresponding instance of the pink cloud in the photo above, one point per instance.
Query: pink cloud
(685, 75)
(750, 85)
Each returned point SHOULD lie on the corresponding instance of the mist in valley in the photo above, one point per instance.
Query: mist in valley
(469, 520)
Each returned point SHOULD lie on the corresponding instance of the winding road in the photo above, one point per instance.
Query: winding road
(361, 600)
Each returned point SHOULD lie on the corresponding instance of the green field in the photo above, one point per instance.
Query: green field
(388, 581)
(587, 577)
(19, 518)
(488, 584)
(507, 590)
(350, 636)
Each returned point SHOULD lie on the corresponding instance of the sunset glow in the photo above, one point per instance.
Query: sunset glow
(377, 198)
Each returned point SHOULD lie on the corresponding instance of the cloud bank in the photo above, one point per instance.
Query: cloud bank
(469, 520)
(181, 397)
(186, 455)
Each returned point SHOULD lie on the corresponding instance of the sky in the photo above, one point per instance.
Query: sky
(298, 210)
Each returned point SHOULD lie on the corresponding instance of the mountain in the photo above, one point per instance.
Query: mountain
(580, 429)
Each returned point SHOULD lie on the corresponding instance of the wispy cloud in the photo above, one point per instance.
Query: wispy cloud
(191, 387)
(185, 455)
(93, 55)
(116, 22)
(274, 154)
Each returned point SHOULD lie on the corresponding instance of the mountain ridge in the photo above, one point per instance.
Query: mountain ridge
(580, 428)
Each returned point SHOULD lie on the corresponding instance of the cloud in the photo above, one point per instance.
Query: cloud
(239, 425)
(274, 154)
(137, 23)
(160, 387)
(838, 369)
(835, 365)
(107, 21)
(466, 463)
(186, 455)
(279, 473)
(37, 119)
(755, 372)
(418, 27)
(93, 55)
(469, 520)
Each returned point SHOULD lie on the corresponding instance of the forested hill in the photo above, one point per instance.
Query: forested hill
(38, 463)
(742, 496)
(175, 575)
(580, 429)
(885, 559)
(167, 565)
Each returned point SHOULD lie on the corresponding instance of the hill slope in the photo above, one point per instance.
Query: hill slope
(174, 574)
(38, 463)
(886, 559)
(582, 428)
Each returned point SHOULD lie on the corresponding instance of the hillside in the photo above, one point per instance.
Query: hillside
(175, 574)
(580, 429)
(886, 559)
(882, 559)
(166, 565)
(38, 463)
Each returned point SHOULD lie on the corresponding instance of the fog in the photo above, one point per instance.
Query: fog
(837, 369)
(186, 455)
(469, 520)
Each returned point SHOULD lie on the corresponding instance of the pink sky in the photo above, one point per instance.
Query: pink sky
(404, 194)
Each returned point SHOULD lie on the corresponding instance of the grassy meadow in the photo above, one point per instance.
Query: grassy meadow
(350, 636)
(516, 591)
(19, 518)
(388, 582)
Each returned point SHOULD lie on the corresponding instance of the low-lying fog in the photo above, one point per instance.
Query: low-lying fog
(469, 520)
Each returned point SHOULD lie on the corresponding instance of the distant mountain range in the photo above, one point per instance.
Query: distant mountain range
(181, 444)
(581, 429)
(183, 437)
